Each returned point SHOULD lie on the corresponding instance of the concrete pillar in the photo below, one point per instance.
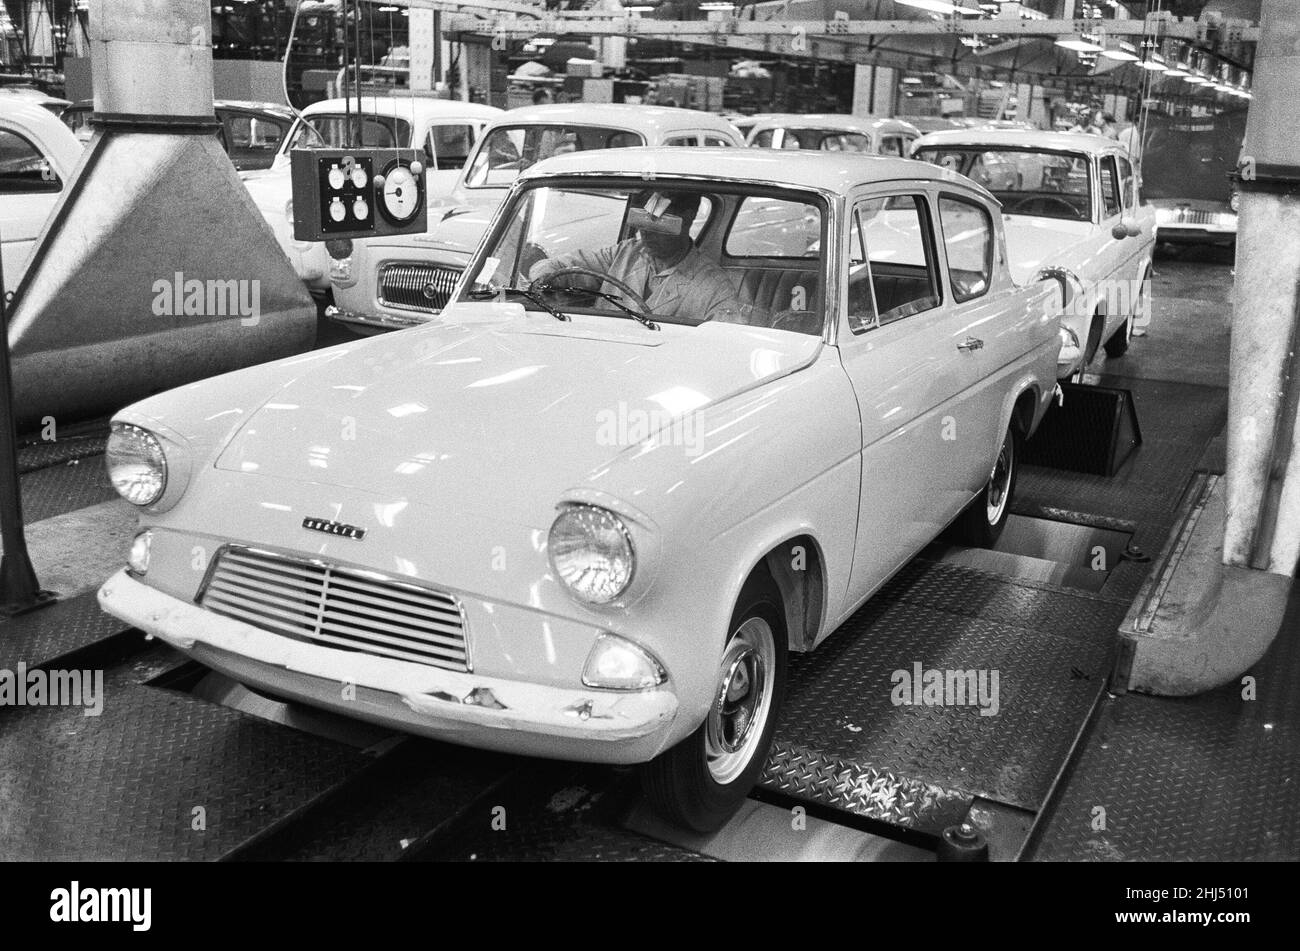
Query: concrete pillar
(1217, 598)
(423, 44)
(1263, 519)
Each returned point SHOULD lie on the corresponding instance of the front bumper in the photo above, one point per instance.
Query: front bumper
(1191, 234)
(510, 716)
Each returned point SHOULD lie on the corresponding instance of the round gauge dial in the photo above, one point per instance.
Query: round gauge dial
(361, 208)
(336, 178)
(401, 197)
(359, 178)
(337, 211)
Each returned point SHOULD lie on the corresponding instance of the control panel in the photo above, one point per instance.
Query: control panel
(357, 193)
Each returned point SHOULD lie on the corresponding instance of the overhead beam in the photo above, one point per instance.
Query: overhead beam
(591, 24)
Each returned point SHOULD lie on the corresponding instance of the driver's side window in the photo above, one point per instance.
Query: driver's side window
(897, 278)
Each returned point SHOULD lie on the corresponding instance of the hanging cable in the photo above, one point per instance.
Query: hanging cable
(284, 73)
(356, 48)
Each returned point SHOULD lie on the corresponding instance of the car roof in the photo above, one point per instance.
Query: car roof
(639, 118)
(28, 114)
(1023, 138)
(418, 107)
(275, 108)
(834, 171)
(830, 120)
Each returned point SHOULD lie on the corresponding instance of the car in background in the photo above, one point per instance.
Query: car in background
(34, 94)
(37, 157)
(250, 132)
(744, 123)
(394, 282)
(573, 523)
(1071, 203)
(442, 130)
(1187, 168)
(834, 133)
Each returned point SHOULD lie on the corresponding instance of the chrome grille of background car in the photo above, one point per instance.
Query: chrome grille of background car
(337, 607)
(1196, 216)
(404, 285)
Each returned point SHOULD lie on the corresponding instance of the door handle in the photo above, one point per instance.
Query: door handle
(971, 343)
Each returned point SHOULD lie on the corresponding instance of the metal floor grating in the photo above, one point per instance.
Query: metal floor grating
(1208, 778)
(54, 631)
(843, 743)
(124, 786)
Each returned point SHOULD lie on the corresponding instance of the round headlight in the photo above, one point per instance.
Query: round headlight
(136, 464)
(591, 551)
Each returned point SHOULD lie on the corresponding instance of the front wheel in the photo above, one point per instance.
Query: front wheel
(981, 524)
(1117, 345)
(701, 781)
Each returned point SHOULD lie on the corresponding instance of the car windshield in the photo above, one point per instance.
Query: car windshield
(332, 131)
(1035, 182)
(668, 252)
(825, 140)
(510, 149)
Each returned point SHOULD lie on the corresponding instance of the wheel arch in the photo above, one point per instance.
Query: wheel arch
(795, 564)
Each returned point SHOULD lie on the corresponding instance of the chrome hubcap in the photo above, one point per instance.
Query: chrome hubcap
(742, 701)
(1000, 482)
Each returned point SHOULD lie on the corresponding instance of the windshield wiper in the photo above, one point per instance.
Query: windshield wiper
(612, 298)
(523, 292)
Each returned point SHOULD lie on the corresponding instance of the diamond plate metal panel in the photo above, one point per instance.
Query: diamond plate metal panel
(862, 789)
(44, 635)
(123, 786)
(66, 487)
(41, 455)
(1198, 779)
(970, 592)
(844, 743)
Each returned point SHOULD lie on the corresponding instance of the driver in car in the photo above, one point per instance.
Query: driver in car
(659, 262)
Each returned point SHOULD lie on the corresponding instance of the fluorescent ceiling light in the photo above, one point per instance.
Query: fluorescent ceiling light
(1177, 71)
(1125, 53)
(1079, 45)
(1156, 64)
(1196, 80)
(939, 6)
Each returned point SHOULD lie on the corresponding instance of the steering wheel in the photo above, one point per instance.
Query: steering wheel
(1041, 201)
(636, 300)
(799, 321)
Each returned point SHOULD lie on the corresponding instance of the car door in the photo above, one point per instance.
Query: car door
(898, 344)
(1116, 256)
(30, 186)
(993, 343)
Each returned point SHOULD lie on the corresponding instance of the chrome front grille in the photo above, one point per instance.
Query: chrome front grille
(1197, 216)
(337, 607)
(417, 286)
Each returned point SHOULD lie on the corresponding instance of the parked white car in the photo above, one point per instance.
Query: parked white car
(445, 130)
(829, 132)
(395, 282)
(572, 518)
(1070, 201)
(37, 157)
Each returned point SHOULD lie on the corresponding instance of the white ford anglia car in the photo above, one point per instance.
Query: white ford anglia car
(1071, 202)
(668, 430)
